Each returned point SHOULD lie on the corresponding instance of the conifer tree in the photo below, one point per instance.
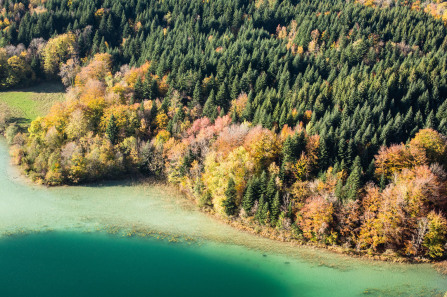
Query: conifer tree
(210, 108)
(222, 97)
(263, 181)
(197, 94)
(229, 203)
(276, 207)
(353, 182)
(271, 189)
(139, 89)
(339, 190)
(323, 156)
(249, 197)
(112, 130)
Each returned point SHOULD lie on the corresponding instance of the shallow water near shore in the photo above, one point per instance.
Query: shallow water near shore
(78, 241)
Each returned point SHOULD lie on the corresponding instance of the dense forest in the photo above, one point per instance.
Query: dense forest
(318, 121)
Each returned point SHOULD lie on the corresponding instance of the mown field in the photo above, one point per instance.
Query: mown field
(24, 105)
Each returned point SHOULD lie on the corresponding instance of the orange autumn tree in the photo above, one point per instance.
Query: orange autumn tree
(391, 218)
(99, 68)
(395, 158)
(427, 147)
(315, 218)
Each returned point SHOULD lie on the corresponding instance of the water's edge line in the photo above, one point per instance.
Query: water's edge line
(16, 173)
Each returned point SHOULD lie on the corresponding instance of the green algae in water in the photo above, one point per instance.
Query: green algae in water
(215, 255)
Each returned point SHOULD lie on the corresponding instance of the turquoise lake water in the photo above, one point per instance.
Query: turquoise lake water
(92, 265)
(57, 242)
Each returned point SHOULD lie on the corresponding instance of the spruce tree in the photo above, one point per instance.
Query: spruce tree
(270, 190)
(287, 150)
(339, 190)
(229, 204)
(353, 182)
(263, 181)
(259, 211)
(276, 207)
(112, 130)
(139, 89)
(265, 216)
(210, 108)
(249, 197)
(235, 88)
(323, 156)
(222, 97)
(197, 94)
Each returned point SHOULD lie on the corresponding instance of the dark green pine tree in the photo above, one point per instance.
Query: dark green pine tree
(259, 213)
(287, 150)
(139, 90)
(112, 130)
(430, 122)
(222, 112)
(261, 82)
(339, 190)
(249, 197)
(123, 21)
(323, 156)
(265, 213)
(149, 87)
(222, 99)
(96, 42)
(271, 190)
(197, 94)
(349, 153)
(229, 204)
(234, 117)
(102, 46)
(210, 108)
(353, 182)
(103, 25)
(342, 150)
(110, 28)
(382, 182)
(247, 114)
(235, 90)
(276, 207)
(263, 181)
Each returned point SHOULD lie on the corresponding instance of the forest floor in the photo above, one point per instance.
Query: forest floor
(24, 105)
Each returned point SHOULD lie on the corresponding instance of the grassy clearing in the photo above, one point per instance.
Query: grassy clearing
(24, 105)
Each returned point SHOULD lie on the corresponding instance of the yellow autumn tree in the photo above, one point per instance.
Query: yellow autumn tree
(435, 240)
(315, 218)
(57, 51)
(433, 143)
(262, 144)
(238, 165)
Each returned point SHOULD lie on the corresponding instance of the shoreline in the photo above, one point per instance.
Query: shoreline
(339, 250)
(242, 225)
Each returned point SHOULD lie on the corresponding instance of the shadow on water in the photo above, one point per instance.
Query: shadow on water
(68, 264)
